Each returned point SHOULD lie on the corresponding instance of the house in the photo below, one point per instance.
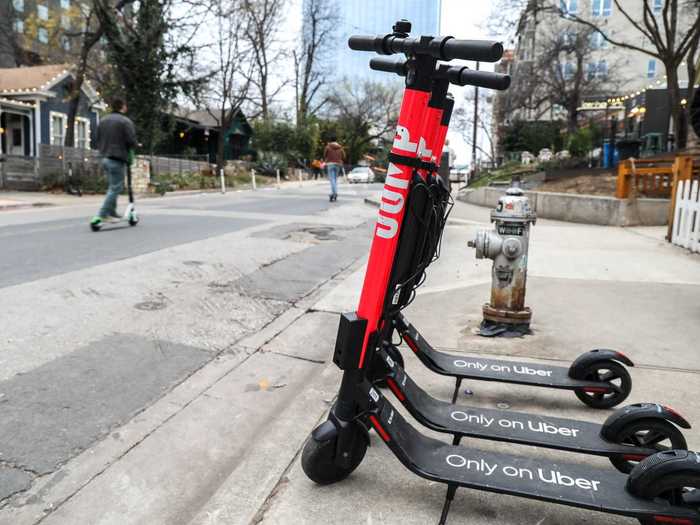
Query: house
(34, 110)
(196, 132)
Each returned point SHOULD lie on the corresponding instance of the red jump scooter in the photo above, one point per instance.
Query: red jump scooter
(660, 489)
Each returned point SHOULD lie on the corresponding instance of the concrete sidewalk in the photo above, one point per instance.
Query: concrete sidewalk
(589, 287)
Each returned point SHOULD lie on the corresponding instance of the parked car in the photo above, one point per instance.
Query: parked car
(361, 174)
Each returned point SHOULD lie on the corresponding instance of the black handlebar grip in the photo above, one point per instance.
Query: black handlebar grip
(463, 76)
(367, 43)
(477, 50)
(389, 66)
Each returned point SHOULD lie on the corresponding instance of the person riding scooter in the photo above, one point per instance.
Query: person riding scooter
(116, 140)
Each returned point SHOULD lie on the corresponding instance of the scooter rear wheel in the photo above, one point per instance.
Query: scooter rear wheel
(318, 459)
(673, 476)
(648, 433)
(605, 371)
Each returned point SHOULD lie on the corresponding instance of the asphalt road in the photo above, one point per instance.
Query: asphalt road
(35, 250)
(95, 327)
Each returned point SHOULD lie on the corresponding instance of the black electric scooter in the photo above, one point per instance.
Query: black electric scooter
(598, 377)
(655, 492)
(130, 217)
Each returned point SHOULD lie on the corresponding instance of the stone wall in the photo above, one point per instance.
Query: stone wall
(587, 209)
(140, 175)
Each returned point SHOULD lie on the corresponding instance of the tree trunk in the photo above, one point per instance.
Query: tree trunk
(674, 94)
(220, 144)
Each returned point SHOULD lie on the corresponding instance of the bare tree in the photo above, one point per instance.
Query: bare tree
(89, 36)
(673, 34)
(320, 20)
(229, 82)
(367, 113)
(261, 31)
(464, 119)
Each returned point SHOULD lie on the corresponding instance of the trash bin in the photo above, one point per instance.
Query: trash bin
(628, 148)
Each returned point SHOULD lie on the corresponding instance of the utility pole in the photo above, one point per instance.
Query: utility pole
(476, 116)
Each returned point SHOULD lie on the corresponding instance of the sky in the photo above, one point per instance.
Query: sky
(459, 18)
(463, 19)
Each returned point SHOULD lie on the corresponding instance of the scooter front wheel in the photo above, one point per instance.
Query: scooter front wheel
(318, 459)
(648, 433)
(133, 221)
(605, 372)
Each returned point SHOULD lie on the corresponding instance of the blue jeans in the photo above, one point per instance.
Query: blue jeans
(115, 171)
(333, 171)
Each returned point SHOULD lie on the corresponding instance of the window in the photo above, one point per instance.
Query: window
(58, 128)
(568, 38)
(82, 133)
(651, 69)
(65, 43)
(607, 7)
(19, 26)
(65, 21)
(658, 6)
(599, 41)
(568, 6)
(43, 35)
(42, 11)
(591, 71)
(567, 70)
(18, 5)
(65, 4)
(602, 69)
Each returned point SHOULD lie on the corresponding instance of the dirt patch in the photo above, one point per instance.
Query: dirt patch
(603, 185)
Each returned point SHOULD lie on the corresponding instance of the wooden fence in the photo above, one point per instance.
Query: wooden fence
(686, 222)
(54, 163)
(647, 177)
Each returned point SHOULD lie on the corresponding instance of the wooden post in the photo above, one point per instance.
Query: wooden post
(223, 180)
(299, 172)
(622, 190)
(252, 178)
(279, 185)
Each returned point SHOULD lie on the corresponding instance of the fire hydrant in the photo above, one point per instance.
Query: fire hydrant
(508, 247)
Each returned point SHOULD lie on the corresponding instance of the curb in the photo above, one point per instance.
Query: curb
(19, 206)
(372, 201)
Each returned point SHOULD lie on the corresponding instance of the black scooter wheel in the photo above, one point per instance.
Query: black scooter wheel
(379, 380)
(133, 222)
(610, 372)
(648, 433)
(673, 476)
(318, 459)
(95, 227)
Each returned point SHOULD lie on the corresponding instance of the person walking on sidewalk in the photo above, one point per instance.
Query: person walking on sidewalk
(116, 140)
(333, 156)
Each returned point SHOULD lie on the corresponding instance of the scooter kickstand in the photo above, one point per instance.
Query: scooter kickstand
(451, 491)
(458, 383)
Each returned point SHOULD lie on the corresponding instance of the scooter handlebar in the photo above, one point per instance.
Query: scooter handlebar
(463, 76)
(442, 48)
(477, 50)
(389, 66)
(367, 43)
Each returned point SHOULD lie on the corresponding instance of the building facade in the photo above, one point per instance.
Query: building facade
(628, 71)
(369, 17)
(34, 110)
(40, 30)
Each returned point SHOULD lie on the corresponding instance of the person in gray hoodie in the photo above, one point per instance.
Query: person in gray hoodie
(333, 156)
(116, 140)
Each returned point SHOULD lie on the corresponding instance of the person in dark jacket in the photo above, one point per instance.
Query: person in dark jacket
(116, 140)
(333, 156)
